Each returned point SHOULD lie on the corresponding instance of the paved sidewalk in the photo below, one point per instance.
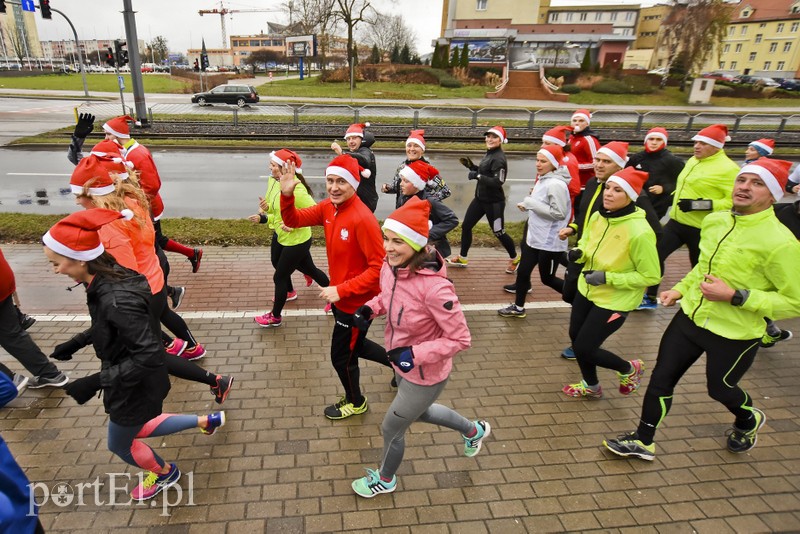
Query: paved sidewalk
(280, 466)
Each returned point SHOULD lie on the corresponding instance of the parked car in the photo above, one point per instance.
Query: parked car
(241, 95)
(763, 81)
(790, 85)
(660, 71)
(716, 75)
(743, 79)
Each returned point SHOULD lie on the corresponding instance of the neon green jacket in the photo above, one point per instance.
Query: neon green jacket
(748, 252)
(711, 178)
(625, 248)
(302, 199)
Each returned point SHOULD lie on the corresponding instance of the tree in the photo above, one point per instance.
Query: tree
(694, 29)
(464, 62)
(395, 57)
(586, 64)
(375, 55)
(388, 31)
(263, 56)
(16, 40)
(313, 17)
(405, 55)
(351, 13)
(454, 59)
(436, 58)
(157, 49)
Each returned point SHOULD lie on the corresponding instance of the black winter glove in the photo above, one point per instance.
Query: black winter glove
(402, 357)
(574, 255)
(84, 388)
(64, 351)
(473, 175)
(697, 204)
(467, 162)
(85, 125)
(595, 278)
(362, 318)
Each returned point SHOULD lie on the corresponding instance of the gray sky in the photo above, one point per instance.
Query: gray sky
(179, 22)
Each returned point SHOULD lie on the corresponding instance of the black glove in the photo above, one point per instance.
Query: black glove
(85, 125)
(473, 175)
(64, 351)
(402, 357)
(362, 318)
(574, 255)
(84, 388)
(595, 278)
(466, 162)
(697, 204)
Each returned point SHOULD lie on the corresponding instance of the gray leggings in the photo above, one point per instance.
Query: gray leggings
(414, 403)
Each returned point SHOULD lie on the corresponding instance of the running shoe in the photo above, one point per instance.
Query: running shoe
(291, 295)
(215, 420)
(268, 320)
(154, 484)
(26, 321)
(177, 297)
(743, 440)
(344, 409)
(513, 264)
(568, 353)
(195, 259)
(630, 446)
(176, 347)
(222, 389)
(628, 383)
(512, 310)
(458, 261)
(582, 390)
(195, 353)
(472, 446)
(372, 485)
(512, 288)
(769, 341)
(648, 303)
(308, 280)
(20, 382)
(56, 381)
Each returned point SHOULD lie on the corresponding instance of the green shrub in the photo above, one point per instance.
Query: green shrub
(571, 89)
(557, 73)
(628, 85)
(610, 87)
(445, 79)
(723, 90)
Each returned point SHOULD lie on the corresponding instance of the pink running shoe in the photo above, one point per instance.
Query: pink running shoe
(630, 382)
(309, 280)
(177, 347)
(268, 320)
(582, 390)
(328, 308)
(195, 353)
(291, 295)
(153, 484)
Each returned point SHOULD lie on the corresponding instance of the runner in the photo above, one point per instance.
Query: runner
(359, 142)
(415, 150)
(583, 144)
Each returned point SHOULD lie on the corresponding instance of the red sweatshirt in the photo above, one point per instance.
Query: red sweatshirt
(353, 241)
(584, 148)
(148, 176)
(7, 284)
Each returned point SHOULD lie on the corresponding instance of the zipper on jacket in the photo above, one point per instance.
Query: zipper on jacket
(591, 259)
(391, 302)
(711, 259)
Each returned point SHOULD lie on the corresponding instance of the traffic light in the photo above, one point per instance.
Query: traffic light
(204, 62)
(120, 52)
(109, 57)
(44, 5)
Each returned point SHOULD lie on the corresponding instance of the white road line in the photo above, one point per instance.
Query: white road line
(308, 312)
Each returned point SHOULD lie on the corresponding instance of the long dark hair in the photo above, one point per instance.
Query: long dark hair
(107, 267)
(419, 259)
(303, 181)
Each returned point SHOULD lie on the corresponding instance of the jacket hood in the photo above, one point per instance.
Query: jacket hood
(435, 266)
(561, 173)
(132, 282)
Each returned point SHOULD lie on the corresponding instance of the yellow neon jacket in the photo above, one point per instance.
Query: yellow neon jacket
(748, 252)
(302, 199)
(711, 178)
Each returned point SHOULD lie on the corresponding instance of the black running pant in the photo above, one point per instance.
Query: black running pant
(589, 326)
(287, 260)
(495, 214)
(19, 344)
(676, 235)
(727, 360)
(548, 263)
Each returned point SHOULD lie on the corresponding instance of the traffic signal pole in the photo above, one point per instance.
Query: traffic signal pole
(135, 62)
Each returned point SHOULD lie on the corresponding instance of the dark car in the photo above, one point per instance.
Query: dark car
(791, 85)
(240, 95)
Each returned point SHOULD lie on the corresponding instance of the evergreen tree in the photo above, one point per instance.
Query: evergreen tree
(586, 64)
(375, 55)
(405, 55)
(395, 57)
(454, 59)
(435, 58)
(355, 53)
(464, 57)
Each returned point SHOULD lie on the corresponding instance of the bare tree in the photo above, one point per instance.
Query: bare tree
(351, 13)
(313, 17)
(157, 49)
(388, 31)
(17, 43)
(694, 30)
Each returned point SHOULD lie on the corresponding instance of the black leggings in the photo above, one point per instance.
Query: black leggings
(548, 263)
(494, 212)
(348, 344)
(727, 360)
(287, 260)
(676, 235)
(589, 326)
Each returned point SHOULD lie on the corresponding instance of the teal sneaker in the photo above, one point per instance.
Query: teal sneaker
(630, 446)
(744, 440)
(372, 485)
(472, 446)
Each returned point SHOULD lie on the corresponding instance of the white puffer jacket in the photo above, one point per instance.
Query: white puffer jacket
(549, 210)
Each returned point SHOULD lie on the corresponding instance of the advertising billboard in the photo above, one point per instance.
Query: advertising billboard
(483, 50)
(301, 46)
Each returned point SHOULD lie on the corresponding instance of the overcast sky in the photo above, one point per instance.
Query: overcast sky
(179, 22)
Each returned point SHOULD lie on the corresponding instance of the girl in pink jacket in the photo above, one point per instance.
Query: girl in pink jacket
(425, 329)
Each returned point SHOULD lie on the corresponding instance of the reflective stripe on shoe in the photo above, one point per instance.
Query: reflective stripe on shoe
(581, 389)
(372, 485)
(630, 446)
(344, 409)
(743, 440)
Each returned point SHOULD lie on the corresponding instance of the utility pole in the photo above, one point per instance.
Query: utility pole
(131, 37)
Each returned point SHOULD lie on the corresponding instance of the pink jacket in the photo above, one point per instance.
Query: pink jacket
(423, 312)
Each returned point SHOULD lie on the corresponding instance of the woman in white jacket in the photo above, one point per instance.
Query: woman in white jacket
(549, 210)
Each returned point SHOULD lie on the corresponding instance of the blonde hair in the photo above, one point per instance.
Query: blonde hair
(116, 199)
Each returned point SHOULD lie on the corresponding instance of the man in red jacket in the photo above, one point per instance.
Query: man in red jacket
(18, 343)
(354, 244)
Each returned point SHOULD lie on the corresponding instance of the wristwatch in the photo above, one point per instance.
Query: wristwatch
(738, 298)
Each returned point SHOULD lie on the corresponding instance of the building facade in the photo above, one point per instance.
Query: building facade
(623, 18)
(68, 51)
(19, 37)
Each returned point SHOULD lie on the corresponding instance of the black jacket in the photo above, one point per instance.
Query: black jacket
(664, 168)
(133, 374)
(492, 172)
(442, 218)
(789, 215)
(366, 188)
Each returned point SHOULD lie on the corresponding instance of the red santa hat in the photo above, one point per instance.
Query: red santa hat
(715, 135)
(91, 169)
(347, 167)
(110, 156)
(617, 151)
(418, 173)
(584, 114)
(557, 135)
(658, 133)
(411, 222)
(774, 172)
(356, 130)
(630, 180)
(553, 153)
(284, 155)
(417, 137)
(118, 126)
(767, 145)
(75, 236)
(499, 131)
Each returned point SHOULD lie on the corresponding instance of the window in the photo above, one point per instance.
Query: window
(758, 38)
(752, 56)
(731, 31)
(738, 48)
(773, 47)
(795, 26)
(767, 65)
(781, 65)
(629, 16)
(255, 43)
(787, 47)
(598, 16)
(733, 64)
(722, 64)
(743, 31)
(480, 5)
(568, 18)
(614, 16)
(779, 29)
(726, 49)
(762, 25)
(583, 16)
(745, 13)
(554, 17)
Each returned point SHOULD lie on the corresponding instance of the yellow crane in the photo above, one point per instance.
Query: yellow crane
(222, 11)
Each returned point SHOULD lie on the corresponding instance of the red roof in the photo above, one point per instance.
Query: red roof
(765, 10)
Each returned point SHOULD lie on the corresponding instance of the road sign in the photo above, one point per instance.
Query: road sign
(28, 5)
(121, 81)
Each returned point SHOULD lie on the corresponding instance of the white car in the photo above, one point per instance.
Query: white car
(660, 71)
(764, 81)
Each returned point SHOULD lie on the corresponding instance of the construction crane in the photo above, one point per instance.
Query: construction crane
(222, 11)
